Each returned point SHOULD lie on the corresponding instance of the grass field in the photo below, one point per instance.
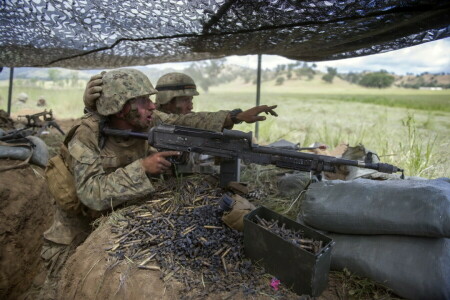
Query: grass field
(409, 128)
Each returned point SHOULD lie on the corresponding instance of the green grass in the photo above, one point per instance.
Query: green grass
(65, 102)
(355, 287)
(436, 102)
(407, 133)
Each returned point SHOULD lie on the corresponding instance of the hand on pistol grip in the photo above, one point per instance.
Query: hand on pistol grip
(178, 159)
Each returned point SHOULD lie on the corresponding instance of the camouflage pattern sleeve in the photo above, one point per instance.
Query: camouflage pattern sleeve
(98, 190)
(202, 120)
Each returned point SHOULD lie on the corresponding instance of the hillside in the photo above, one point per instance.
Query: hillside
(214, 73)
(67, 74)
(426, 79)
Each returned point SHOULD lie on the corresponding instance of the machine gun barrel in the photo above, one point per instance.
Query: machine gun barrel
(233, 144)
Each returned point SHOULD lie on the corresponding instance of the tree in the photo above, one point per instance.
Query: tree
(305, 70)
(328, 78)
(74, 78)
(206, 73)
(377, 79)
(54, 74)
(332, 71)
(352, 77)
(280, 81)
(330, 75)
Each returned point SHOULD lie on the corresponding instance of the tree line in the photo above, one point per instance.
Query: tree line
(215, 72)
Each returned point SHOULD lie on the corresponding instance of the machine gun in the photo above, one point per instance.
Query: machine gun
(232, 145)
(47, 121)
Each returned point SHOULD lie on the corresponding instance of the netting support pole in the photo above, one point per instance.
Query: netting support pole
(11, 75)
(258, 91)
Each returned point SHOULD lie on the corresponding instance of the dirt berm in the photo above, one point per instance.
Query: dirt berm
(25, 213)
(89, 274)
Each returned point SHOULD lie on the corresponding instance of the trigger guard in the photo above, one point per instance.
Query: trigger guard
(179, 159)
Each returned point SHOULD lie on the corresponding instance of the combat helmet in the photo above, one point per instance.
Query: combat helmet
(173, 85)
(121, 85)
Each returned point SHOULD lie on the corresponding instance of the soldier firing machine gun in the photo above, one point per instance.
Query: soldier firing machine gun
(232, 145)
(34, 121)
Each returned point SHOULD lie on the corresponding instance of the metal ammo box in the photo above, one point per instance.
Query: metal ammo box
(302, 271)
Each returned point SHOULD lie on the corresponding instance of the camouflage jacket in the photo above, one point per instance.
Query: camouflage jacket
(110, 175)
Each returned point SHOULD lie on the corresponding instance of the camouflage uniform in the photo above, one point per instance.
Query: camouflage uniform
(170, 86)
(108, 175)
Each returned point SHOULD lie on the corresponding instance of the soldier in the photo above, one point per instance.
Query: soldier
(41, 101)
(93, 173)
(175, 93)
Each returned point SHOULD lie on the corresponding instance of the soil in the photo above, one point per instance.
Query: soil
(26, 211)
(89, 275)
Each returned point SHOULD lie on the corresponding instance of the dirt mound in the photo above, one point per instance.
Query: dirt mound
(91, 274)
(174, 241)
(26, 211)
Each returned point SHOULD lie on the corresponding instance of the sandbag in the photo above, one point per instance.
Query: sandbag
(292, 184)
(39, 153)
(413, 267)
(362, 206)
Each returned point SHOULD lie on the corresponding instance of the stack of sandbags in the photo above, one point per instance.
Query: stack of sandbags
(395, 232)
(31, 148)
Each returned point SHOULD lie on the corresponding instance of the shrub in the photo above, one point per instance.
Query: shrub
(279, 81)
(377, 79)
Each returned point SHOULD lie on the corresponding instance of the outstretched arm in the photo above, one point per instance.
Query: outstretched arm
(250, 115)
(203, 120)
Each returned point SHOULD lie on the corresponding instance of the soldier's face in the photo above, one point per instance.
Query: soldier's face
(141, 112)
(184, 104)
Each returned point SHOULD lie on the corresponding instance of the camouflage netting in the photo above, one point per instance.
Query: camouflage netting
(113, 33)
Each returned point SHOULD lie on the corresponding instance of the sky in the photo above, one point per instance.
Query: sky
(432, 57)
